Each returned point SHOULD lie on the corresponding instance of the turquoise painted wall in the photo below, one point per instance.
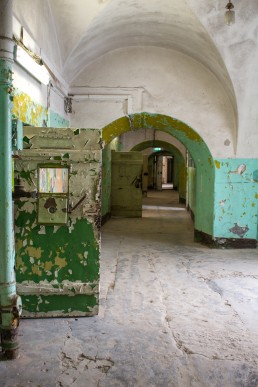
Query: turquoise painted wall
(57, 121)
(236, 194)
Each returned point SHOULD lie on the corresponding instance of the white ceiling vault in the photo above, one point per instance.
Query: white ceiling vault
(85, 30)
(76, 34)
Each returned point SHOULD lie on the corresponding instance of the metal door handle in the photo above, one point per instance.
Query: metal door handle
(71, 209)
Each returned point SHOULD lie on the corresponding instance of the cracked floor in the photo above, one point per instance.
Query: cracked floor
(172, 313)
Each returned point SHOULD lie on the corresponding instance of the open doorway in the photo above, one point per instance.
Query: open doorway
(167, 172)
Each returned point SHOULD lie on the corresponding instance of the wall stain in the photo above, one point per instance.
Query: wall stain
(238, 230)
(240, 169)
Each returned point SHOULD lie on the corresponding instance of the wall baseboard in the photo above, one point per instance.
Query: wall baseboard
(191, 213)
(105, 218)
(224, 243)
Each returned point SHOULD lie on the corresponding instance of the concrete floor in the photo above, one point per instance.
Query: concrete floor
(172, 313)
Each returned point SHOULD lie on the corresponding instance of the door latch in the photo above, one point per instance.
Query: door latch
(71, 209)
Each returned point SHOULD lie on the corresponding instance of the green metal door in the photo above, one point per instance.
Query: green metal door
(57, 222)
(126, 187)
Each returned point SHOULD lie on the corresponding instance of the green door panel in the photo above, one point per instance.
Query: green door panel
(57, 254)
(126, 189)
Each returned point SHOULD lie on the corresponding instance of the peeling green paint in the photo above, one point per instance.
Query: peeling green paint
(43, 305)
(65, 258)
(46, 248)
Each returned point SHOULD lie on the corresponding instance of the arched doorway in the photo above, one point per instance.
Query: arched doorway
(204, 209)
(178, 168)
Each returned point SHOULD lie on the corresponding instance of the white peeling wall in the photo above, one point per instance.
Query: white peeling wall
(96, 112)
(171, 83)
(36, 17)
(25, 83)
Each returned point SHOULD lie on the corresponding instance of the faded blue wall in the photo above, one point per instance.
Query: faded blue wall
(236, 194)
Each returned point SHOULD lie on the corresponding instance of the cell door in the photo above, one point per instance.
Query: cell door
(57, 219)
(126, 184)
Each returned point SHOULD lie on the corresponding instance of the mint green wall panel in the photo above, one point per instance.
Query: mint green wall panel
(236, 194)
(191, 188)
(57, 121)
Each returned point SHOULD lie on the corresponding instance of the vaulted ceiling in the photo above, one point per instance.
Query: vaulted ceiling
(84, 30)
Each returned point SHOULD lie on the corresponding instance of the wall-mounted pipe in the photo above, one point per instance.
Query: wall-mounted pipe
(9, 301)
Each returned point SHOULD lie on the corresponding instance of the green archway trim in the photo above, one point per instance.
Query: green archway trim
(184, 133)
(147, 121)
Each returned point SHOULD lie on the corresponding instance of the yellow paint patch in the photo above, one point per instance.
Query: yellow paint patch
(114, 129)
(217, 164)
(27, 110)
(256, 196)
(19, 244)
(34, 252)
(147, 121)
(253, 205)
(19, 262)
(36, 270)
(61, 262)
(80, 256)
(48, 265)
